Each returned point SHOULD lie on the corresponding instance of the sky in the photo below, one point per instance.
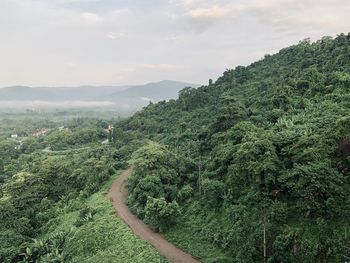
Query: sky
(122, 42)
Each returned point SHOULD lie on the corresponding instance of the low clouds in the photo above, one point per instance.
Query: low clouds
(146, 67)
(114, 35)
(290, 15)
(157, 66)
(203, 18)
(91, 17)
(294, 15)
(76, 42)
(211, 14)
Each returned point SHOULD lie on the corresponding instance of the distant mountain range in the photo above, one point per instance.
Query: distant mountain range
(121, 96)
(53, 94)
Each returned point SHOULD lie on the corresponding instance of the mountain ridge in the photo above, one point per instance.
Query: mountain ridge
(165, 89)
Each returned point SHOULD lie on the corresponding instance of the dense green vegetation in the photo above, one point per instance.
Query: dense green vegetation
(262, 151)
(265, 148)
(52, 203)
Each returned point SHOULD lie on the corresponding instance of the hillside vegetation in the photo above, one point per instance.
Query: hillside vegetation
(256, 163)
(53, 206)
(263, 149)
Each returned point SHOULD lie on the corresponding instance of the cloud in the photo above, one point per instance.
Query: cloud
(77, 42)
(91, 17)
(294, 16)
(183, 2)
(148, 67)
(191, 2)
(204, 18)
(175, 38)
(215, 12)
(72, 65)
(113, 35)
(128, 70)
(171, 16)
(209, 14)
(287, 15)
(48, 104)
(156, 66)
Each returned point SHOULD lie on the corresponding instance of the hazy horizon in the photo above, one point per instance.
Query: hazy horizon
(121, 87)
(121, 98)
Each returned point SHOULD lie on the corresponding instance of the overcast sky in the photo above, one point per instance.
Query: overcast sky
(116, 42)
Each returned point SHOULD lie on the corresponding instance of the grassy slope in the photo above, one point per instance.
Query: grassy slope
(104, 239)
(189, 234)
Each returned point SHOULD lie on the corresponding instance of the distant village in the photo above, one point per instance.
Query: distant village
(36, 134)
(45, 131)
(42, 132)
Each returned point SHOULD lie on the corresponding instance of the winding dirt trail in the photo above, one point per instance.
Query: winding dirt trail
(117, 194)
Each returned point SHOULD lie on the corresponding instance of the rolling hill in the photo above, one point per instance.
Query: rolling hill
(122, 97)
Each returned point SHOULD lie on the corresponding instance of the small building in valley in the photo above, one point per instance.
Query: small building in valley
(42, 132)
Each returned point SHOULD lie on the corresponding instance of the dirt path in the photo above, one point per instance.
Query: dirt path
(165, 248)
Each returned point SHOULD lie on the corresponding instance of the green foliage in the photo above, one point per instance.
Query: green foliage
(10, 241)
(30, 145)
(60, 140)
(48, 250)
(158, 175)
(316, 185)
(264, 148)
(47, 213)
(230, 112)
(85, 215)
(8, 149)
(106, 238)
(263, 145)
(160, 214)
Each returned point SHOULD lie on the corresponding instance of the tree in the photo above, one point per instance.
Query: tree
(24, 189)
(315, 184)
(255, 164)
(2, 168)
(230, 112)
(160, 214)
(8, 149)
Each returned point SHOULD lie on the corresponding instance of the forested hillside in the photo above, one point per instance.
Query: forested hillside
(256, 164)
(263, 150)
(52, 194)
